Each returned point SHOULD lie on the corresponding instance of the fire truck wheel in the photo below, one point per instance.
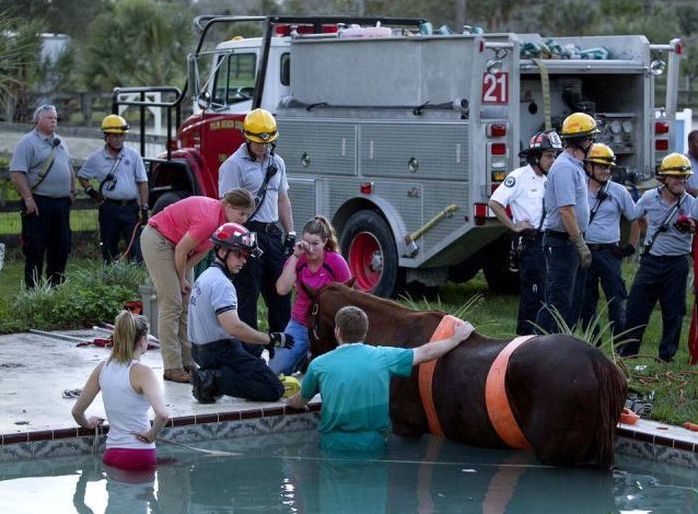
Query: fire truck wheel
(369, 247)
(168, 199)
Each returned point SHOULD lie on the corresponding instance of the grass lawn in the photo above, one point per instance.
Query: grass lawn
(675, 384)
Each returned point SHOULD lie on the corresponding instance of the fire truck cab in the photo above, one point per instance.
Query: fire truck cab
(399, 136)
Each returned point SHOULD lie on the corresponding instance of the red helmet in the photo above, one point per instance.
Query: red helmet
(542, 141)
(234, 236)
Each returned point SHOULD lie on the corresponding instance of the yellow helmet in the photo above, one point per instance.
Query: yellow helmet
(675, 164)
(578, 124)
(260, 126)
(114, 124)
(601, 154)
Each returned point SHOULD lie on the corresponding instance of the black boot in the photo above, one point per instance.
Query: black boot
(205, 382)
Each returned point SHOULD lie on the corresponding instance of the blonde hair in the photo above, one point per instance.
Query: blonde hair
(352, 323)
(320, 226)
(239, 199)
(128, 330)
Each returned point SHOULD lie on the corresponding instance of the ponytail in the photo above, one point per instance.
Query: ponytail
(128, 330)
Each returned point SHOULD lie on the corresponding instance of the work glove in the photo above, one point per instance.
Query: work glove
(583, 250)
(289, 243)
(144, 216)
(94, 194)
(278, 340)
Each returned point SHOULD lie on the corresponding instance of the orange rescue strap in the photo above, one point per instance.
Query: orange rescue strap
(498, 408)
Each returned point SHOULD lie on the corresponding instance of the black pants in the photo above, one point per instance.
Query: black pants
(531, 283)
(663, 279)
(47, 234)
(605, 270)
(242, 374)
(117, 222)
(260, 276)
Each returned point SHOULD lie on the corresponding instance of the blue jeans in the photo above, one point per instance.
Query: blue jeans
(531, 284)
(287, 360)
(605, 268)
(564, 284)
(664, 279)
(242, 375)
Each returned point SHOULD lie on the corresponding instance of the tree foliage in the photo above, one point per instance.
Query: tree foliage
(20, 47)
(137, 42)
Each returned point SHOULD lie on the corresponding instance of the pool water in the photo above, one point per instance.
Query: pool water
(288, 473)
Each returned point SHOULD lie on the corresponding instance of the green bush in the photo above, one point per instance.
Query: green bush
(93, 294)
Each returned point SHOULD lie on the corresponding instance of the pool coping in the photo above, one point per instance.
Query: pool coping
(647, 439)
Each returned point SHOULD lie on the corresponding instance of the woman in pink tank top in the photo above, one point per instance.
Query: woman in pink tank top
(129, 388)
(315, 262)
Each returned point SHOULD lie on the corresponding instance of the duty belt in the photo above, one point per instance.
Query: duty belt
(602, 246)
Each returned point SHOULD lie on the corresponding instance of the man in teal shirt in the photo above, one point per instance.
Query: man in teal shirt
(354, 380)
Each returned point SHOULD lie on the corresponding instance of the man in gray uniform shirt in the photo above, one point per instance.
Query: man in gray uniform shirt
(122, 193)
(567, 216)
(255, 167)
(667, 213)
(217, 333)
(608, 201)
(43, 175)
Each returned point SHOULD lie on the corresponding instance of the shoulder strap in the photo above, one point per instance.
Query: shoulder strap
(262, 193)
(665, 223)
(601, 195)
(48, 162)
(112, 172)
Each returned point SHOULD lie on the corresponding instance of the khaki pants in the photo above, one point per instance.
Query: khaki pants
(158, 255)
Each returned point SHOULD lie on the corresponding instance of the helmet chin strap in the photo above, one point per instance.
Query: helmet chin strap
(675, 195)
(221, 264)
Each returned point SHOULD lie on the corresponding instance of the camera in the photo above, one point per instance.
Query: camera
(683, 223)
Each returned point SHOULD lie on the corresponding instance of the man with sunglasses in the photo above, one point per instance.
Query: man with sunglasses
(608, 201)
(217, 334)
(256, 167)
(121, 193)
(667, 217)
(567, 216)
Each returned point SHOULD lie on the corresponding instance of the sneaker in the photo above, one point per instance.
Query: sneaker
(176, 375)
(204, 385)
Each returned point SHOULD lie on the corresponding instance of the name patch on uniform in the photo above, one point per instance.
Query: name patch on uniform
(510, 181)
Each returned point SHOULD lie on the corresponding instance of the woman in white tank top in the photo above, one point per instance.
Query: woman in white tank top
(129, 389)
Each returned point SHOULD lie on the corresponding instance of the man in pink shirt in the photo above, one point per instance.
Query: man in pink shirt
(174, 241)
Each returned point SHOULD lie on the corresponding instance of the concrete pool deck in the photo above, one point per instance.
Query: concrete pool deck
(36, 369)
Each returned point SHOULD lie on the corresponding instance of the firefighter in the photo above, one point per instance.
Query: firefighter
(122, 193)
(666, 215)
(567, 216)
(608, 201)
(522, 191)
(256, 167)
(216, 331)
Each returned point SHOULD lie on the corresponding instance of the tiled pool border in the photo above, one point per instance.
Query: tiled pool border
(635, 441)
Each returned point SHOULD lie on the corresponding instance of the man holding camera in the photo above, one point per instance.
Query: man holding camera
(608, 201)
(663, 270)
(255, 167)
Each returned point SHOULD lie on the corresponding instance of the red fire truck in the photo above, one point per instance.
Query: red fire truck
(399, 135)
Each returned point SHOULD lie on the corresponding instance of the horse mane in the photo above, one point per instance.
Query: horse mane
(362, 299)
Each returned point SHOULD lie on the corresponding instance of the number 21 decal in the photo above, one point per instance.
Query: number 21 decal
(495, 88)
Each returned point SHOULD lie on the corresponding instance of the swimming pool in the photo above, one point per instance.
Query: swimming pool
(285, 472)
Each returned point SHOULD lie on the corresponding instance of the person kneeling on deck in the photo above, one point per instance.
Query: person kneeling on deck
(354, 381)
(216, 332)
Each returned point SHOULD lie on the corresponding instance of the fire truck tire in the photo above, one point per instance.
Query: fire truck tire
(168, 199)
(369, 247)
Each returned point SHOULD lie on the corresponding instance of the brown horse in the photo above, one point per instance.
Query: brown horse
(566, 396)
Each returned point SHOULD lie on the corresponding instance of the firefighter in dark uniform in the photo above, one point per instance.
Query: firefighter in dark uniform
(608, 201)
(666, 213)
(254, 166)
(522, 191)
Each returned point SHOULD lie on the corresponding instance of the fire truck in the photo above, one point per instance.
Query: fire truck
(399, 135)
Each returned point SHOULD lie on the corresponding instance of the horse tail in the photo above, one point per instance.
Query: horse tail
(612, 393)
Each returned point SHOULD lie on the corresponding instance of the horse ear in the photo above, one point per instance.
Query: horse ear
(350, 283)
(312, 293)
